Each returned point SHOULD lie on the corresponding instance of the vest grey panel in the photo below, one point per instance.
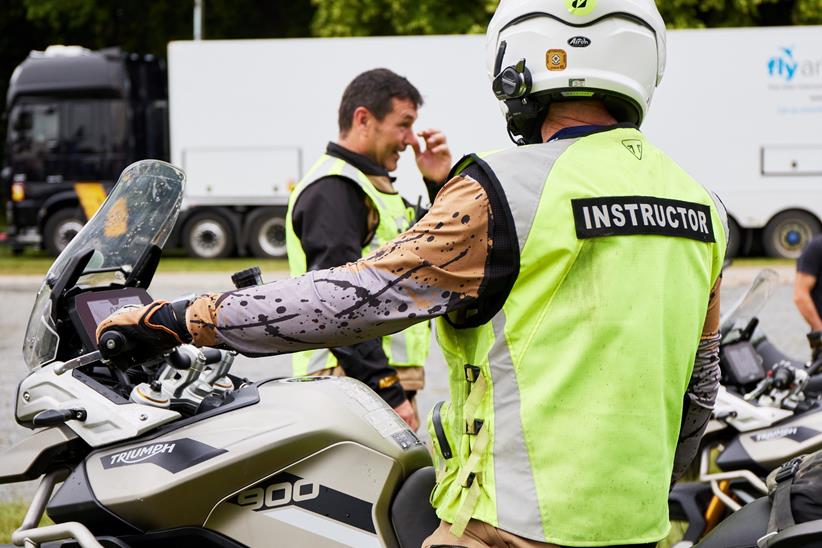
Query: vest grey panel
(322, 168)
(318, 360)
(513, 474)
(522, 172)
(399, 353)
(349, 172)
(723, 214)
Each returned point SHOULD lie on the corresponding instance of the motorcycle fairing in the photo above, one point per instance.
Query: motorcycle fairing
(763, 449)
(29, 458)
(339, 438)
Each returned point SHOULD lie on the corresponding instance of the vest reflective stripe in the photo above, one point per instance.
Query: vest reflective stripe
(406, 348)
(574, 360)
(512, 474)
(526, 179)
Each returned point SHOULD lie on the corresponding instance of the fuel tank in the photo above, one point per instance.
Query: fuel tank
(311, 460)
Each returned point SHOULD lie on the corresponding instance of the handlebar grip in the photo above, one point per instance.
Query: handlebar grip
(178, 360)
(247, 278)
(113, 343)
(212, 355)
(782, 377)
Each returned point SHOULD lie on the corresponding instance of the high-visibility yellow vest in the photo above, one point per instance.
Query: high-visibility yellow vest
(566, 406)
(406, 348)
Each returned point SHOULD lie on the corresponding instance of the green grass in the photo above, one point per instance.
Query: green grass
(38, 262)
(29, 262)
(763, 262)
(11, 517)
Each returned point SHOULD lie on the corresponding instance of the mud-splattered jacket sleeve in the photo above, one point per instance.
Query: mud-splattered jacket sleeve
(435, 267)
(702, 390)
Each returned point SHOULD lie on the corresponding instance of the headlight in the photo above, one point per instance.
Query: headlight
(18, 192)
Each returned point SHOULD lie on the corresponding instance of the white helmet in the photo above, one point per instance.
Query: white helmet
(539, 51)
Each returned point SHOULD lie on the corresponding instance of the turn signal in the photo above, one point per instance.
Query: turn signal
(18, 192)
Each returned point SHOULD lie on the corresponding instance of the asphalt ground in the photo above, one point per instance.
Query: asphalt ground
(779, 320)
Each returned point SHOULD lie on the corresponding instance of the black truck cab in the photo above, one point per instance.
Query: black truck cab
(76, 119)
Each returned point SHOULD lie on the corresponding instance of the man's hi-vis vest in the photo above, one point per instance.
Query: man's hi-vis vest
(406, 348)
(566, 406)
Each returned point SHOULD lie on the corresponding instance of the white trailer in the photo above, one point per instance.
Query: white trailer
(740, 109)
(247, 119)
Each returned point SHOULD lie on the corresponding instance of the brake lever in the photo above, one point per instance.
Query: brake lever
(79, 361)
(760, 389)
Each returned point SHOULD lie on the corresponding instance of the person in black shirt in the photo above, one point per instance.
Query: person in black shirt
(336, 216)
(807, 292)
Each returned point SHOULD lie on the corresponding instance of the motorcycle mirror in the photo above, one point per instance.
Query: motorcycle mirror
(747, 333)
(144, 269)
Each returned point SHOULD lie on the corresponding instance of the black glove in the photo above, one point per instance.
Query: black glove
(815, 341)
(150, 329)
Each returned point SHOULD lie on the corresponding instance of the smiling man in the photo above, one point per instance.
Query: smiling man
(346, 207)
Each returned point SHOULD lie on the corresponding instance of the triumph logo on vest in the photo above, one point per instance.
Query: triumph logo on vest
(645, 215)
(174, 456)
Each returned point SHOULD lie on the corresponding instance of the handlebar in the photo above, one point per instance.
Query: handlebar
(113, 343)
(212, 355)
(782, 377)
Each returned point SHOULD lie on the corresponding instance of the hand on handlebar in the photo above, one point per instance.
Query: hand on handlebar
(150, 329)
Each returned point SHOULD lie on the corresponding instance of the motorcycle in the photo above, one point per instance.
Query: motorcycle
(172, 448)
(137, 448)
(765, 415)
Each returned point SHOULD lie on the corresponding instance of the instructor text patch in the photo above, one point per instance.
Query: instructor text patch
(628, 215)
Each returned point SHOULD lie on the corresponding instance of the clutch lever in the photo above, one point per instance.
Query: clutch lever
(79, 361)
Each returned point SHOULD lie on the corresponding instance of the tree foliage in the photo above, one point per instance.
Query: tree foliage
(147, 26)
(388, 17)
(739, 13)
(385, 17)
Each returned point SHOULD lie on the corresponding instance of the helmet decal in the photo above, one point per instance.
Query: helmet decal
(579, 42)
(581, 7)
(556, 59)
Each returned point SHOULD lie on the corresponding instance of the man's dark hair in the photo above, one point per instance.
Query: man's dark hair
(374, 89)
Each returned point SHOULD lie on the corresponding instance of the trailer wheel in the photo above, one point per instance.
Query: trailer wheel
(266, 233)
(208, 235)
(787, 234)
(61, 227)
(734, 239)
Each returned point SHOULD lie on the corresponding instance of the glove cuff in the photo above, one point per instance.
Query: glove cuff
(178, 312)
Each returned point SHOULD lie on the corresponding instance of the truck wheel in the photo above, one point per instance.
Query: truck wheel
(787, 234)
(734, 239)
(208, 235)
(266, 233)
(60, 228)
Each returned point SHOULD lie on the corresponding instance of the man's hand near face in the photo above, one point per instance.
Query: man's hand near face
(435, 161)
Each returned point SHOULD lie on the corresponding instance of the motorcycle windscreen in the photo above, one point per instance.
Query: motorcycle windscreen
(140, 212)
(751, 303)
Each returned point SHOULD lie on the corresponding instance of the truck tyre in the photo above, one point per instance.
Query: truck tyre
(60, 228)
(266, 233)
(208, 235)
(734, 240)
(787, 234)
